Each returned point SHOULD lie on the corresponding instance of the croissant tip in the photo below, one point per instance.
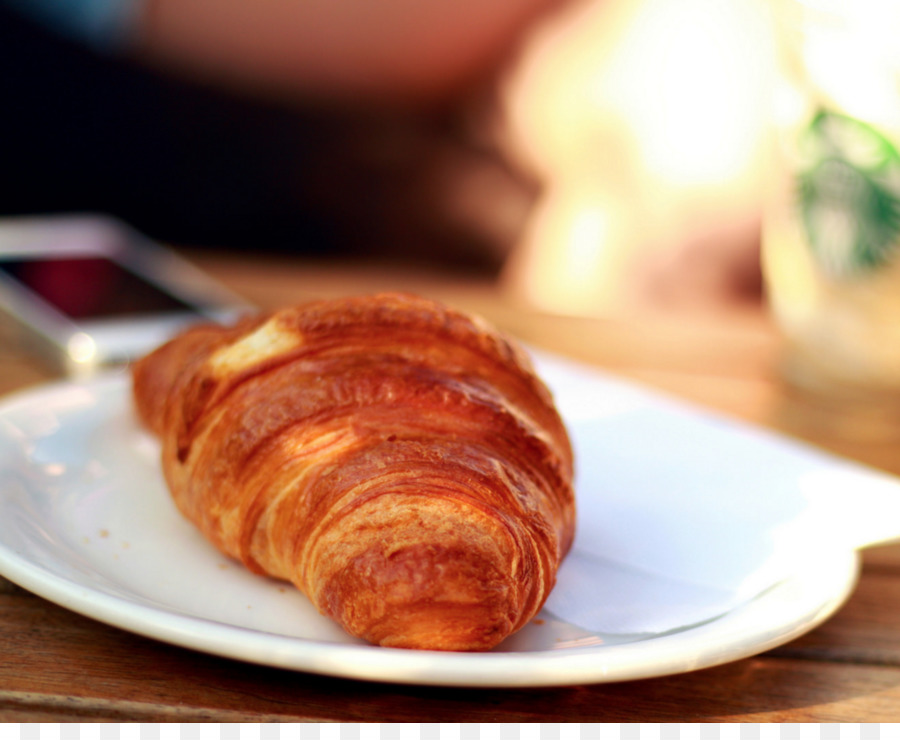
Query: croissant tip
(442, 627)
(426, 597)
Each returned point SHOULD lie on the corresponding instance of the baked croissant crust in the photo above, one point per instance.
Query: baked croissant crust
(395, 459)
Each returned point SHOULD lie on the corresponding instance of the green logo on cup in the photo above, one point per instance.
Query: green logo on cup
(849, 194)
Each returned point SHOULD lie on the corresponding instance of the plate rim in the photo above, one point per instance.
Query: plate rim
(816, 600)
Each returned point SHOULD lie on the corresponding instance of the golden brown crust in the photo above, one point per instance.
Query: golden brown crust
(396, 460)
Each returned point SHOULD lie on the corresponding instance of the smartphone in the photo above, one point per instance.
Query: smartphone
(88, 292)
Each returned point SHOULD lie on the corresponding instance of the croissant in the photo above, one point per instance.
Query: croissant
(397, 460)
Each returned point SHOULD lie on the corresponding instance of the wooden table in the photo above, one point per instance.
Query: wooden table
(58, 666)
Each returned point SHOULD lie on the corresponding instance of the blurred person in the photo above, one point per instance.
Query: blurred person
(400, 50)
(321, 126)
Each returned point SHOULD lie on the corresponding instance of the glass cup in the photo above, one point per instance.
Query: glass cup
(831, 233)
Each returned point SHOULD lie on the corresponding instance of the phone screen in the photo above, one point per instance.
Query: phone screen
(90, 287)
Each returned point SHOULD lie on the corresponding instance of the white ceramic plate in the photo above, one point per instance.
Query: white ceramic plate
(85, 522)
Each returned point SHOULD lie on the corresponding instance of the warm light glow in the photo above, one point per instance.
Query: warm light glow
(586, 220)
(852, 60)
(82, 349)
(648, 115)
(688, 84)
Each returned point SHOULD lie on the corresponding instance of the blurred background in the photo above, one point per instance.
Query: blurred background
(646, 124)
(608, 157)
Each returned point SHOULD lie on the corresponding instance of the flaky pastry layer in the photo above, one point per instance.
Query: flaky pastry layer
(397, 460)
